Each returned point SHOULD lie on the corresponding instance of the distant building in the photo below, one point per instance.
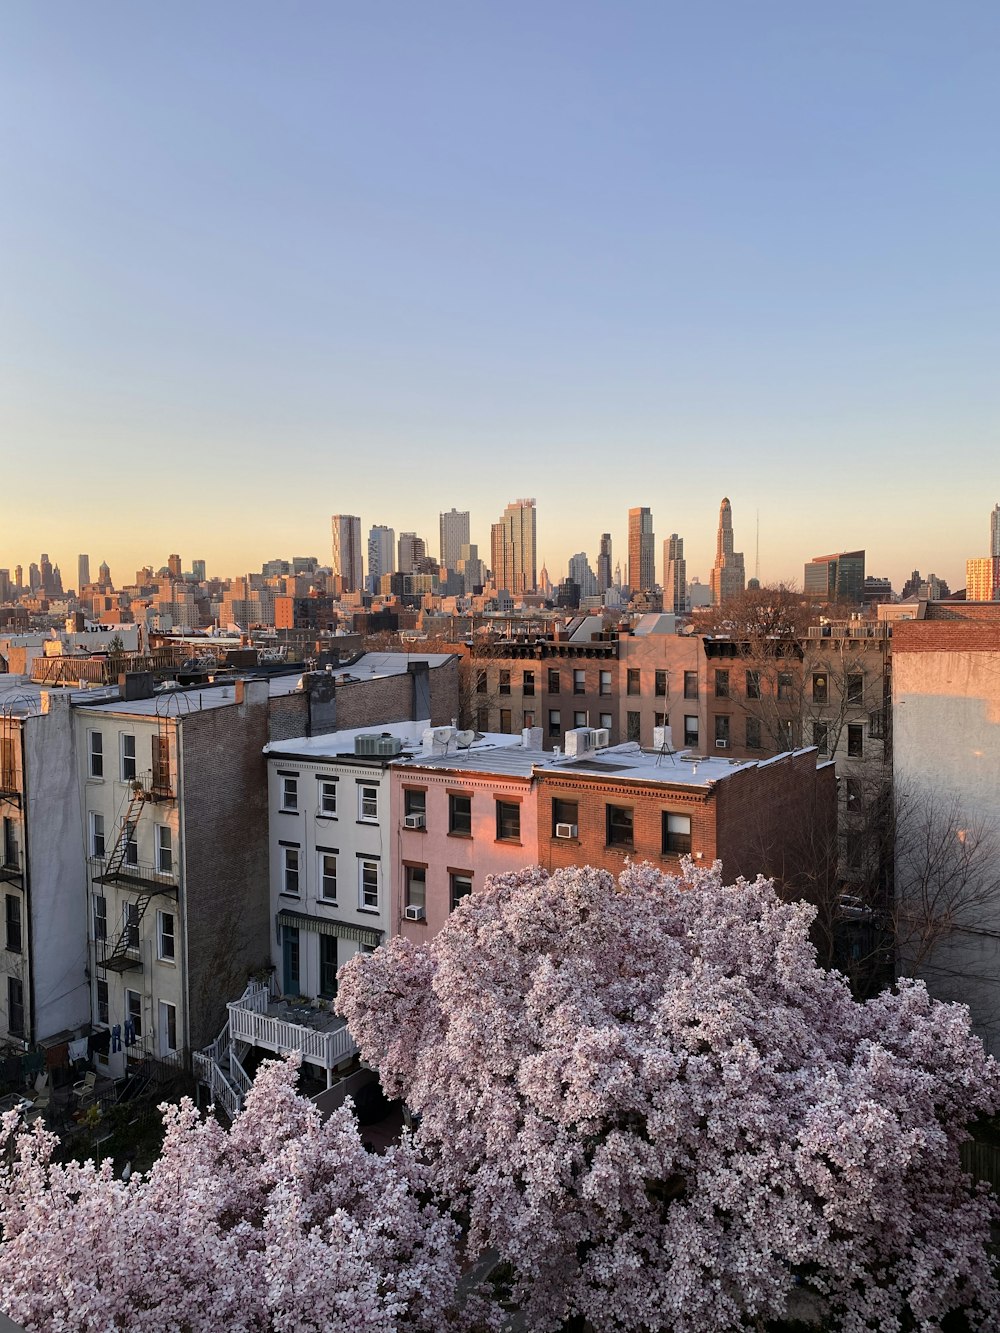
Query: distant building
(728, 573)
(198, 571)
(82, 572)
(454, 534)
(604, 563)
(982, 579)
(839, 577)
(175, 566)
(381, 555)
(875, 591)
(641, 550)
(412, 549)
(995, 532)
(513, 546)
(347, 557)
(581, 574)
(674, 575)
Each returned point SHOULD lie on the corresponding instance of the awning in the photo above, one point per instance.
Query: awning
(325, 926)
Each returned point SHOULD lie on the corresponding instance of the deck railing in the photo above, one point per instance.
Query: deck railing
(326, 1049)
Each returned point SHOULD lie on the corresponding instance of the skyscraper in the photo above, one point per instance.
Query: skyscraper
(982, 579)
(454, 535)
(582, 575)
(728, 573)
(641, 551)
(175, 566)
(45, 573)
(604, 563)
(674, 575)
(840, 577)
(82, 571)
(347, 558)
(381, 554)
(995, 533)
(198, 570)
(411, 550)
(512, 548)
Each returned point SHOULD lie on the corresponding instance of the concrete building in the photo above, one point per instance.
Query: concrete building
(381, 555)
(347, 562)
(454, 534)
(995, 532)
(82, 573)
(411, 550)
(982, 579)
(513, 547)
(674, 575)
(604, 574)
(728, 573)
(641, 551)
(838, 577)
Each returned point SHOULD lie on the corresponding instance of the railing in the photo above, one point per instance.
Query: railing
(326, 1049)
(240, 1076)
(221, 1091)
(141, 878)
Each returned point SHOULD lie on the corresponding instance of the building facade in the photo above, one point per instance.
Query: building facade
(347, 559)
(641, 551)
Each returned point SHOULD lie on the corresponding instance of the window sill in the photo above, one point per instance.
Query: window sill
(321, 815)
(284, 811)
(454, 834)
(619, 846)
(416, 830)
(168, 962)
(295, 897)
(370, 911)
(91, 777)
(325, 902)
(509, 842)
(372, 823)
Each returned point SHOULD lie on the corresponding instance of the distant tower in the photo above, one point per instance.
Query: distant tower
(728, 573)
(995, 533)
(347, 558)
(454, 532)
(45, 573)
(674, 575)
(82, 571)
(412, 549)
(104, 575)
(174, 565)
(34, 577)
(604, 563)
(198, 570)
(19, 577)
(57, 587)
(641, 557)
(512, 548)
(381, 555)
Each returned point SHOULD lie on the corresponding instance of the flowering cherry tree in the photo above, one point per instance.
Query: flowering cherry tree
(658, 1110)
(282, 1223)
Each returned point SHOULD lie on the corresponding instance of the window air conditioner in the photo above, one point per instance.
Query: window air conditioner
(565, 830)
(722, 745)
(414, 821)
(414, 913)
(602, 738)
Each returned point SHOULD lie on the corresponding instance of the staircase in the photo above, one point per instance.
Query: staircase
(219, 1067)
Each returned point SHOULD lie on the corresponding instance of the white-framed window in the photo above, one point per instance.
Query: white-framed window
(96, 833)
(368, 877)
(289, 792)
(606, 720)
(130, 918)
(368, 803)
(133, 1011)
(327, 804)
(290, 871)
(165, 944)
(416, 886)
(95, 753)
(100, 917)
(676, 834)
(103, 1006)
(168, 1027)
(328, 875)
(126, 742)
(131, 843)
(164, 849)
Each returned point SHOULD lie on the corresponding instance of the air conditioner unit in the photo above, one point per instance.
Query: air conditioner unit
(414, 913)
(389, 745)
(414, 821)
(722, 745)
(566, 830)
(367, 744)
(602, 738)
(579, 740)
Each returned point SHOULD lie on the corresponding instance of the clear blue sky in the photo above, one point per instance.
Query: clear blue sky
(261, 263)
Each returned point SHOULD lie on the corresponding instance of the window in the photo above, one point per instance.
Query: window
(855, 740)
(289, 793)
(95, 750)
(659, 719)
(328, 875)
(290, 871)
(619, 825)
(820, 687)
(460, 814)
(508, 821)
(103, 1006)
(328, 966)
(164, 849)
(482, 719)
(579, 682)
(368, 885)
(131, 842)
(605, 686)
(168, 1027)
(722, 684)
(690, 684)
(753, 733)
(722, 730)
(855, 800)
(676, 834)
(481, 681)
(555, 722)
(579, 719)
(855, 689)
(821, 735)
(785, 685)
(690, 729)
(130, 918)
(368, 804)
(461, 886)
(753, 684)
(290, 958)
(161, 764)
(660, 684)
(100, 917)
(505, 682)
(528, 684)
(553, 681)
(8, 766)
(128, 766)
(416, 886)
(327, 797)
(506, 721)
(10, 857)
(415, 801)
(15, 1007)
(606, 721)
(13, 914)
(633, 681)
(633, 726)
(96, 834)
(564, 812)
(165, 949)
(133, 1011)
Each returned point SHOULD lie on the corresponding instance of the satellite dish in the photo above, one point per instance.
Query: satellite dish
(464, 739)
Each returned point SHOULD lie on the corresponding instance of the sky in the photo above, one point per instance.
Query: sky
(263, 263)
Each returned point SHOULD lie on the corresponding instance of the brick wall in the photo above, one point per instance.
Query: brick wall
(947, 636)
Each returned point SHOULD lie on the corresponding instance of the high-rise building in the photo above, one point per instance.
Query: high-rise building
(582, 575)
(34, 577)
(82, 571)
(174, 566)
(674, 575)
(57, 587)
(198, 571)
(348, 563)
(19, 577)
(840, 577)
(728, 572)
(471, 569)
(995, 532)
(45, 573)
(604, 563)
(412, 549)
(381, 555)
(641, 551)
(982, 579)
(6, 591)
(454, 535)
(512, 548)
